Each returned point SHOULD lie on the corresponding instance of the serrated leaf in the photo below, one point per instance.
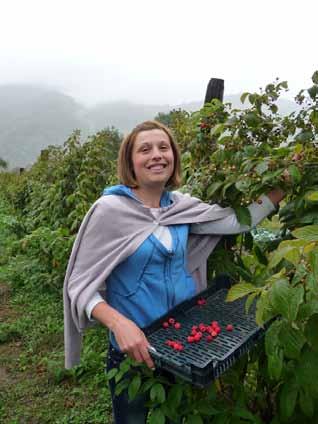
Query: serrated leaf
(288, 398)
(134, 387)
(306, 310)
(292, 341)
(290, 253)
(308, 233)
(272, 338)
(311, 332)
(313, 261)
(239, 290)
(243, 215)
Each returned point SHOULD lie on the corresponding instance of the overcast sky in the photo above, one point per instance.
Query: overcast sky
(157, 51)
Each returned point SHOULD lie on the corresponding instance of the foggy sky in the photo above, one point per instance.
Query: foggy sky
(157, 52)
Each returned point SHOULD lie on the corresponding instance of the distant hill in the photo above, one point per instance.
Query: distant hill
(32, 117)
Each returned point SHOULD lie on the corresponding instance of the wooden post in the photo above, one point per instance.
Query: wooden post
(215, 90)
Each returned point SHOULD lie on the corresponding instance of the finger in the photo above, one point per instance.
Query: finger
(147, 358)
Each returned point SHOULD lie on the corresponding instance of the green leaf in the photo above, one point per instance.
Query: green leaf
(313, 260)
(272, 338)
(275, 364)
(289, 252)
(286, 299)
(205, 408)
(194, 419)
(213, 188)
(217, 129)
(243, 215)
(308, 233)
(239, 290)
(306, 403)
(292, 341)
(134, 387)
(243, 97)
(288, 398)
(306, 372)
(157, 393)
(315, 77)
(122, 385)
(249, 301)
(261, 167)
(313, 91)
(242, 412)
(157, 417)
(243, 185)
(311, 332)
(312, 196)
(175, 395)
(111, 373)
(314, 117)
(294, 173)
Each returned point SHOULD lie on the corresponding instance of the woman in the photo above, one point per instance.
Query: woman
(149, 245)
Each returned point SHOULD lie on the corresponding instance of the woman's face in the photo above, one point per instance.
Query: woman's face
(152, 158)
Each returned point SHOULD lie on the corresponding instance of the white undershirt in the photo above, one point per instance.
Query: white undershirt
(227, 225)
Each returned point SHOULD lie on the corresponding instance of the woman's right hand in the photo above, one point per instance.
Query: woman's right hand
(132, 340)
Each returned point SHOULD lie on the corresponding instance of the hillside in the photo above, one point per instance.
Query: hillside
(33, 117)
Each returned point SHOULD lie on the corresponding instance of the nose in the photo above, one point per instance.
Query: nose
(156, 153)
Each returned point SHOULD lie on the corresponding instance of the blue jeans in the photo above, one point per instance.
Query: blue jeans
(125, 411)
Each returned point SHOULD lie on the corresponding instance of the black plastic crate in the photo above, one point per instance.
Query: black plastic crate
(200, 363)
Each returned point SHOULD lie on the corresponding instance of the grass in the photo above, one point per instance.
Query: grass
(34, 386)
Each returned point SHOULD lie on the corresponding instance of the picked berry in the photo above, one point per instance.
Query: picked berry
(171, 321)
(209, 338)
(177, 325)
(165, 324)
(229, 327)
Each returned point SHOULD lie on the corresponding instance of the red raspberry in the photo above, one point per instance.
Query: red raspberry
(229, 327)
(193, 332)
(214, 324)
(214, 333)
(177, 325)
(165, 324)
(217, 330)
(171, 321)
(168, 342)
(202, 328)
(209, 328)
(190, 339)
(198, 336)
(209, 338)
(194, 328)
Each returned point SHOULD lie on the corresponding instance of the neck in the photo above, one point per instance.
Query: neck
(150, 198)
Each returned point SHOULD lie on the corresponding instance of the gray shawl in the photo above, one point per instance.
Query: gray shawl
(114, 227)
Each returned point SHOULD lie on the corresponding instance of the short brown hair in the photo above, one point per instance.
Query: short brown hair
(125, 169)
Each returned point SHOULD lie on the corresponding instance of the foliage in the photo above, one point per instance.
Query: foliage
(231, 157)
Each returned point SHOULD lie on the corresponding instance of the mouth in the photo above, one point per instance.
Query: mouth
(157, 167)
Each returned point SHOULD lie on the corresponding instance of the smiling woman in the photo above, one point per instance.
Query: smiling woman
(146, 248)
